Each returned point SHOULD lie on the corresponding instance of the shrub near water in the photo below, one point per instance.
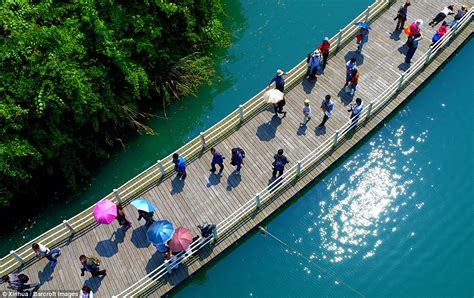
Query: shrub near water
(75, 75)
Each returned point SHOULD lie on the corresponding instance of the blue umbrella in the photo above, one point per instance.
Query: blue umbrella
(363, 25)
(142, 204)
(160, 232)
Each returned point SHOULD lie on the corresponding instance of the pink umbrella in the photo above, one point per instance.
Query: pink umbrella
(105, 212)
(181, 240)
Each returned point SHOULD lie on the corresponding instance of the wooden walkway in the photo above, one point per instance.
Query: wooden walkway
(207, 197)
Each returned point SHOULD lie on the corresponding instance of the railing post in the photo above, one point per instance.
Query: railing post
(241, 113)
(400, 81)
(66, 223)
(167, 266)
(257, 201)
(298, 168)
(160, 166)
(369, 109)
(117, 196)
(214, 234)
(339, 36)
(336, 135)
(428, 55)
(16, 256)
(367, 14)
(203, 140)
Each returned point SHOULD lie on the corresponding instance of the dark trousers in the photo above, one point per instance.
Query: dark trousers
(400, 22)
(98, 273)
(182, 175)
(239, 166)
(280, 172)
(325, 118)
(325, 59)
(438, 18)
(411, 51)
(278, 108)
(213, 166)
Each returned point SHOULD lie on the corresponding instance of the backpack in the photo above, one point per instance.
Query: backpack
(23, 278)
(279, 164)
(95, 260)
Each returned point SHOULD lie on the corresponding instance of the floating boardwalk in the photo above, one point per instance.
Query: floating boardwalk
(239, 203)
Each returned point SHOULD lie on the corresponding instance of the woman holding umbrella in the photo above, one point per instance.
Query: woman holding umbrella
(145, 211)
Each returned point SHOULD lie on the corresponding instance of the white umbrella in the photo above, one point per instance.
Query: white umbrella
(273, 96)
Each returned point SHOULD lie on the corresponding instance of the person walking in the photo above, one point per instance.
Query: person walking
(237, 159)
(355, 110)
(279, 163)
(279, 80)
(350, 66)
(91, 265)
(278, 108)
(217, 159)
(362, 38)
(179, 166)
(86, 292)
(314, 62)
(147, 216)
(18, 282)
(121, 218)
(402, 16)
(307, 112)
(412, 44)
(327, 106)
(324, 49)
(42, 251)
(354, 81)
(459, 15)
(448, 10)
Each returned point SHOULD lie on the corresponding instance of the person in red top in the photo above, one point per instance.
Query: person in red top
(324, 49)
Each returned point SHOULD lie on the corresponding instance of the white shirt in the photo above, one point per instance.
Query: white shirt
(43, 250)
(446, 11)
(307, 111)
(85, 295)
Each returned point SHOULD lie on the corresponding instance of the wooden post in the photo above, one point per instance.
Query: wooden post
(298, 168)
(66, 223)
(369, 110)
(336, 135)
(367, 14)
(160, 166)
(214, 234)
(400, 81)
(16, 256)
(167, 266)
(241, 113)
(428, 56)
(257, 201)
(203, 140)
(117, 196)
(339, 36)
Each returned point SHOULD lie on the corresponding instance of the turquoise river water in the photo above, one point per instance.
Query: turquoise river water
(394, 218)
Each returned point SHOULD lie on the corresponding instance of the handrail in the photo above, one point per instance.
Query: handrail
(256, 202)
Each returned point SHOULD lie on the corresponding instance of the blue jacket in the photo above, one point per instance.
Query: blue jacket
(279, 82)
(217, 158)
(180, 164)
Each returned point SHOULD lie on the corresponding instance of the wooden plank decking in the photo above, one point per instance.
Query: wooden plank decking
(208, 197)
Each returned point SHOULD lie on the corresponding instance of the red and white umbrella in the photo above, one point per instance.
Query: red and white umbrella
(181, 240)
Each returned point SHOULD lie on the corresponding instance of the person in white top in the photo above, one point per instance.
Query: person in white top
(307, 112)
(86, 292)
(42, 251)
(327, 106)
(448, 10)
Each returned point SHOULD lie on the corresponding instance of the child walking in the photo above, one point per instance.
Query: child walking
(307, 112)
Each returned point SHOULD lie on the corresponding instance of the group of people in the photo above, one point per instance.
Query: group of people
(414, 29)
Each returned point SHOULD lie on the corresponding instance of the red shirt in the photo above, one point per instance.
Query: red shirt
(324, 47)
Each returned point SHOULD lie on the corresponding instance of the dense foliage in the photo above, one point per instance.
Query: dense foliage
(76, 74)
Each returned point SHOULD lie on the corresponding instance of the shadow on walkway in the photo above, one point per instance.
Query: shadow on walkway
(46, 274)
(139, 237)
(233, 180)
(177, 186)
(155, 261)
(354, 54)
(320, 131)
(404, 66)
(308, 85)
(345, 97)
(106, 248)
(214, 179)
(94, 283)
(395, 35)
(267, 131)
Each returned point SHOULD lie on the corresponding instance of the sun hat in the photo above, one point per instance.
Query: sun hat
(326, 39)
(279, 72)
(306, 101)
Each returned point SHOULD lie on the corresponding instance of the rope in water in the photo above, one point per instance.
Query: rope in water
(333, 275)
